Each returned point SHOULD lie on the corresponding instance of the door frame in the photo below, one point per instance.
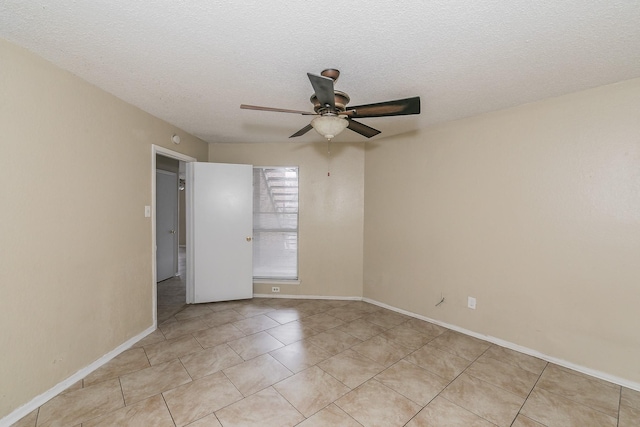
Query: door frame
(156, 149)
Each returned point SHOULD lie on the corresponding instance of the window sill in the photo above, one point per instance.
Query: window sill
(276, 282)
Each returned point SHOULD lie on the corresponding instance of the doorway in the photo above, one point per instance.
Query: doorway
(169, 295)
(170, 278)
(168, 216)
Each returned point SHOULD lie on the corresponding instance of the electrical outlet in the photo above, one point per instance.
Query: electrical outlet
(275, 289)
(471, 303)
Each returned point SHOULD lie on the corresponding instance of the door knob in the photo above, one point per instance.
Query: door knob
(248, 239)
(172, 231)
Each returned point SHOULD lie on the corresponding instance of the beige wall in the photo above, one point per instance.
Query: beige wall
(76, 279)
(331, 211)
(535, 211)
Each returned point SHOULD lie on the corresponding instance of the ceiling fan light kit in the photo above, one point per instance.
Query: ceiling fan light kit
(333, 114)
(329, 126)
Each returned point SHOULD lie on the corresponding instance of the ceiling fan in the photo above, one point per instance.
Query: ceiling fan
(333, 114)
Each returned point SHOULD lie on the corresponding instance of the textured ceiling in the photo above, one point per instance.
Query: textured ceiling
(192, 63)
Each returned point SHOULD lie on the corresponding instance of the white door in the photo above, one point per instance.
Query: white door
(166, 225)
(219, 232)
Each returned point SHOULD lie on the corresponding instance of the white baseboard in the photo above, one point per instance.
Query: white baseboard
(276, 282)
(41, 399)
(502, 343)
(306, 297)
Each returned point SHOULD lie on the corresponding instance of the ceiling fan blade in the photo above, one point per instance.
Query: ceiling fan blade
(323, 88)
(277, 110)
(302, 131)
(362, 129)
(400, 107)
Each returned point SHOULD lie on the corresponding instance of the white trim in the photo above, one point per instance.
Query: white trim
(502, 343)
(274, 167)
(276, 282)
(306, 297)
(162, 171)
(156, 149)
(41, 399)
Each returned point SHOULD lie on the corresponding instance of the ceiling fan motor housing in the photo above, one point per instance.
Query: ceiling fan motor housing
(341, 101)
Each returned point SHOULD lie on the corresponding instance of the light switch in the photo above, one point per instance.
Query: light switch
(147, 211)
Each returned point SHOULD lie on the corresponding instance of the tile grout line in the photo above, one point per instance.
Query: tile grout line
(579, 403)
(471, 412)
(292, 405)
(529, 395)
(458, 376)
(122, 392)
(498, 386)
(386, 368)
(168, 410)
(619, 407)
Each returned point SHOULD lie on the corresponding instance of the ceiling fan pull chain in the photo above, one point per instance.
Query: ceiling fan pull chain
(328, 157)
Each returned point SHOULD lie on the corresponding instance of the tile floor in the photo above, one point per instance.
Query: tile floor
(281, 362)
(172, 293)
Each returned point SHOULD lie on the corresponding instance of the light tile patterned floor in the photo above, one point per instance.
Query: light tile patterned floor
(172, 293)
(282, 362)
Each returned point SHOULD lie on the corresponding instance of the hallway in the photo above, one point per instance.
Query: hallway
(172, 292)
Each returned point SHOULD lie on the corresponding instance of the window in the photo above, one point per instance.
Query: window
(275, 223)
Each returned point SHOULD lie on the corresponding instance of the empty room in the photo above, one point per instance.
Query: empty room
(284, 214)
